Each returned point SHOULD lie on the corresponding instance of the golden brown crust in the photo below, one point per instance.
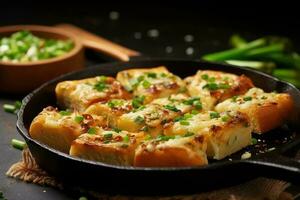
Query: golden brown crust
(243, 84)
(80, 94)
(113, 150)
(180, 152)
(58, 131)
(169, 157)
(272, 114)
(153, 83)
(265, 110)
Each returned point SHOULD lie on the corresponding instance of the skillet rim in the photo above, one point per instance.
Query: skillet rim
(220, 164)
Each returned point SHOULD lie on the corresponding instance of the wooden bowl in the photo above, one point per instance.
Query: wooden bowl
(23, 77)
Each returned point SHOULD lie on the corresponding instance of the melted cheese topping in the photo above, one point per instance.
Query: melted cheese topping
(254, 96)
(152, 82)
(198, 124)
(199, 85)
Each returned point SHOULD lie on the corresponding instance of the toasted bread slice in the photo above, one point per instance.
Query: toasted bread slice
(226, 132)
(58, 129)
(172, 152)
(265, 110)
(111, 110)
(110, 147)
(215, 86)
(152, 117)
(151, 82)
(80, 94)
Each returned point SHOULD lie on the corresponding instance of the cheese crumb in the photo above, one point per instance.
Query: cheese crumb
(246, 155)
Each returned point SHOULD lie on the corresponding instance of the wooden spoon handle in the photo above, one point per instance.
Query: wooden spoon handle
(100, 44)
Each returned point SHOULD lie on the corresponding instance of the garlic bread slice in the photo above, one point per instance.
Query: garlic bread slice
(265, 110)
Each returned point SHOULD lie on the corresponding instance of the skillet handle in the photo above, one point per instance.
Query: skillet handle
(100, 44)
(277, 166)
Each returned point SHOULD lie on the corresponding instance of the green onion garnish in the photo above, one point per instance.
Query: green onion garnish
(100, 86)
(211, 86)
(146, 84)
(126, 138)
(138, 101)
(92, 131)
(253, 141)
(184, 123)
(224, 118)
(172, 108)
(65, 112)
(139, 120)
(152, 75)
(18, 144)
(79, 119)
(214, 115)
(188, 134)
(248, 98)
(204, 76)
(9, 108)
(107, 136)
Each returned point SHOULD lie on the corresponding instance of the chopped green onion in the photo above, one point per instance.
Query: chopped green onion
(248, 98)
(211, 86)
(204, 76)
(18, 104)
(139, 120)
(9, 108)
(92, 131)
(172, 108)
(191, 101)
(224, 86)
(194, 112)
(23, 46)
(102, 79)
(253, 141)
(108, 136)
(140, 78)
(18, 144)
(146, 84)
(126, 138)
(163, 75)
(152, 75)
(138, 101)
(65, 112)
(165, 137)
(148, 137)
(115, 103)
(198, 105)
(211, 79)
(214, 115)
(145, 128)
(79, 119)
(187, 116)
(117, 130)
(188, 134)
(184, 123)
(234, 98)
(100, 86)
(225, 118)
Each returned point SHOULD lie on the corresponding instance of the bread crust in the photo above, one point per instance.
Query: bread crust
(265, 110)
(80, 94)
(189, 152)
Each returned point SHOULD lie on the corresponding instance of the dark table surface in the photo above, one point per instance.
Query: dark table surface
(154, 30)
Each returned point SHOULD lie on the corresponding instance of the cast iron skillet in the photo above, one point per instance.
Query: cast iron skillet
(278, 163)
(105, 177)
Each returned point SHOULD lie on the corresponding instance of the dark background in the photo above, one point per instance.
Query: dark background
(210, 22)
